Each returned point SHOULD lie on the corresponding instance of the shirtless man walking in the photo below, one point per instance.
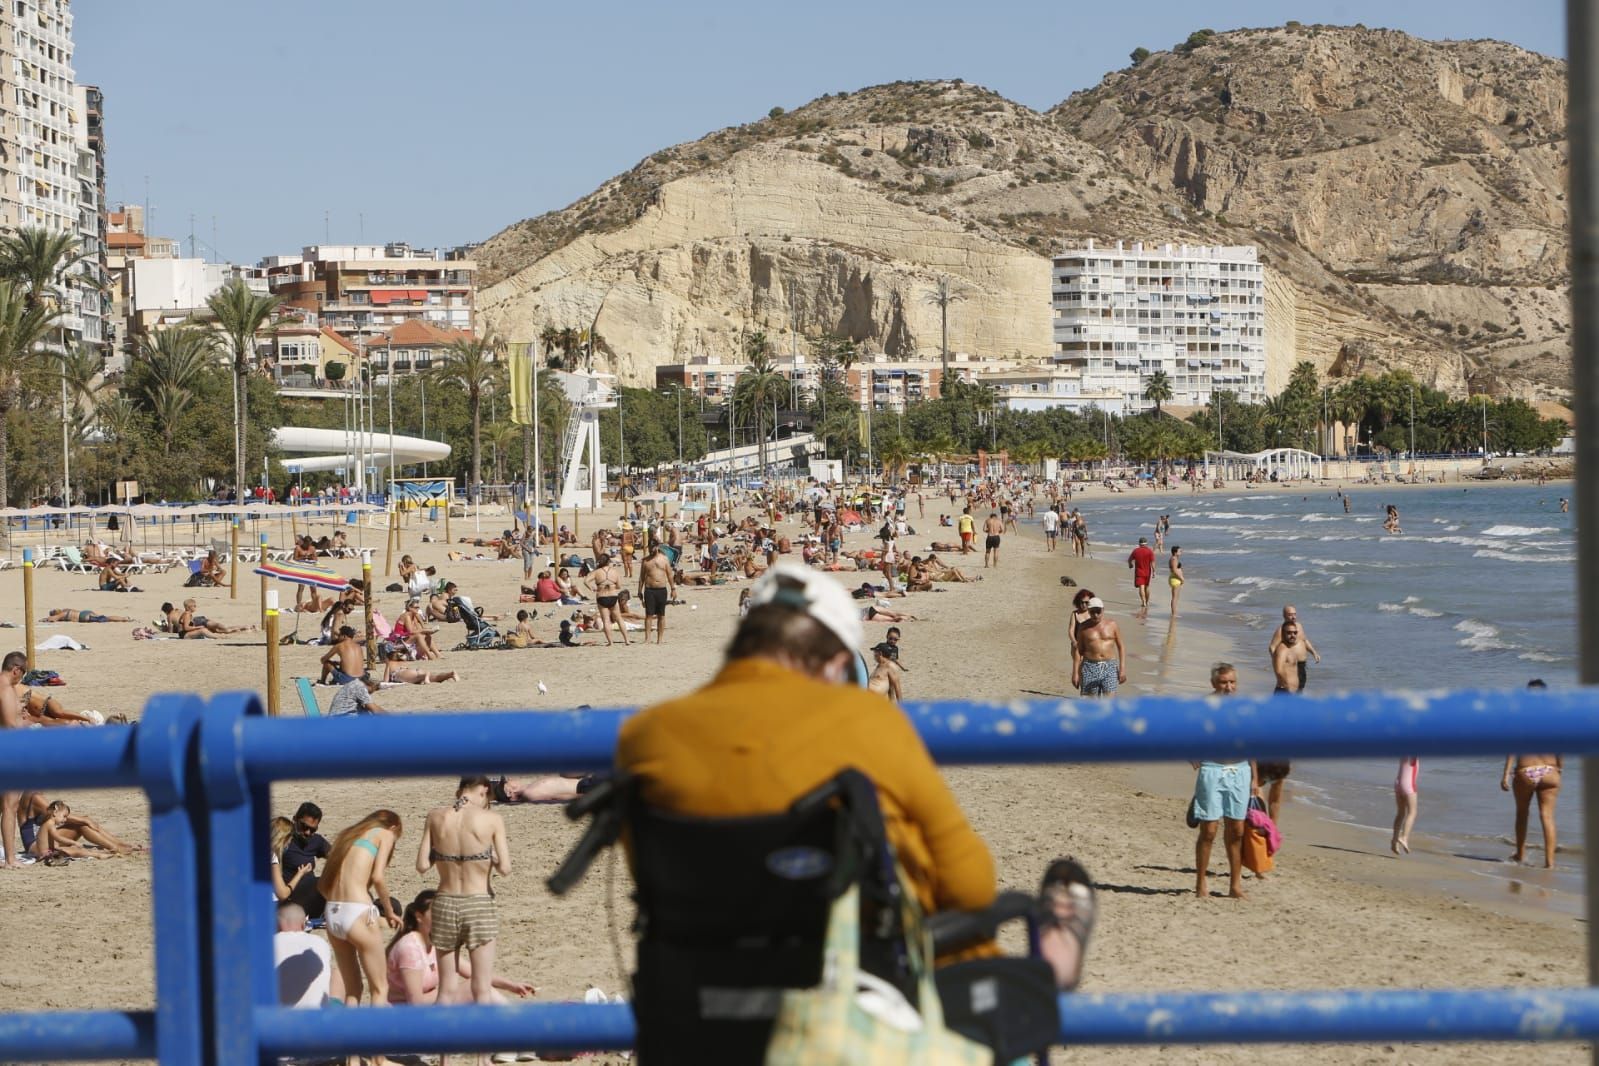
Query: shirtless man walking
(1288, 657)
(655, 588)
(1292, 615)
(1098, 669)
(993, 529)
(11, 671)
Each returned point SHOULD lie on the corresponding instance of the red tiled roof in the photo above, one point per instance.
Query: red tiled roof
(416, 333)
(338, 338)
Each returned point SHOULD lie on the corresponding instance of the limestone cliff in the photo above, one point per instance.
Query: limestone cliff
(1406, 197)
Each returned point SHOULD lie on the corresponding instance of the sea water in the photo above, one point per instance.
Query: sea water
(1478, 590)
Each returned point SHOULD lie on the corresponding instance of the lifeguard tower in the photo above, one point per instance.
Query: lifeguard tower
(583, 471)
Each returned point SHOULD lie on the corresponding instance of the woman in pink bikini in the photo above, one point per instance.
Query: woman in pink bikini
(1534, 775)
(1405, 803)
(1527, 776)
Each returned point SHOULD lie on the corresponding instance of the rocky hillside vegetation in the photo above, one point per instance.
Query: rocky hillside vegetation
(1407, 196)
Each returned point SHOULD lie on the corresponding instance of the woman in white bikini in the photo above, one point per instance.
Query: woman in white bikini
(353, 874)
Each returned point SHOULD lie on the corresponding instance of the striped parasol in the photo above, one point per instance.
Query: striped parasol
(304, 574)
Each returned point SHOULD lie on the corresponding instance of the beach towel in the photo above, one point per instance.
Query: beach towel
(1259, 819)
(61, 642)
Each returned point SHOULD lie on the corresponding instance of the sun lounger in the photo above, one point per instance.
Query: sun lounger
(71, 560)
(308, 703)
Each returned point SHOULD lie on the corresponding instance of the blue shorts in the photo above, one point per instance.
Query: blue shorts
(1221, 791)
(1098, 677)
(342, 678)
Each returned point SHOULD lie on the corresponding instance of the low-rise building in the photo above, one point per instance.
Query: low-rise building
(885, 384)
(1045, 387)
(411, 347)
(363, 290)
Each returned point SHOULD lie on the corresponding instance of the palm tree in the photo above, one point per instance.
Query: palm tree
(23, 327)
(472, 366)
(42, 262)
(549, 340)
(1158, 389)
(79, 369)
(894, 453)
(758, 387)
(170, 366)
(119, 422)
(941, 298)
(239, 313)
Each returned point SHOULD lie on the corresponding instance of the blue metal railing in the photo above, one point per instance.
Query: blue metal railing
(206, 768)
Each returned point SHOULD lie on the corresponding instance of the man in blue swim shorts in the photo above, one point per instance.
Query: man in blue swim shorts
(1097, 670)
(1221, 796)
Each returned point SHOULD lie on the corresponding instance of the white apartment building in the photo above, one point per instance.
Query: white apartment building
(51, 153)
(1198, 312)
(89, 301)
(1043, 388)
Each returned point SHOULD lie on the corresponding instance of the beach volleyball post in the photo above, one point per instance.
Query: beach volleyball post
(270, 599)
(233, 560)
(27, 602)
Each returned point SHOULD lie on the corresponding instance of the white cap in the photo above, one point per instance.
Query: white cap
(1095, 601)
(819, 595)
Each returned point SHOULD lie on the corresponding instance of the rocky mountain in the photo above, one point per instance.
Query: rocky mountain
(1407, 197)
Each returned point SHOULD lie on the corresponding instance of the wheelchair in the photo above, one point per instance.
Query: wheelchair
(734, 911)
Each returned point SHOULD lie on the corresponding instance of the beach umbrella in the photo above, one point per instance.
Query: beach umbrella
(303, 574)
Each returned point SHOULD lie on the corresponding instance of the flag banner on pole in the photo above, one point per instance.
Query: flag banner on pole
(304, 574)
(863, 426)
(521, 364)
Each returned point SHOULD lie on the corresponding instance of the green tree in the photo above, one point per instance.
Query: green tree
(24, 325)
(1157, 390)
(45, 264)
(473, 366)
(240, 313)
(758, 388)
(1138, 55)
(167, 373)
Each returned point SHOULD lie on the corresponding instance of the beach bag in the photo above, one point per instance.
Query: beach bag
(1259, 819)
(1256, 852)
(854, 1018)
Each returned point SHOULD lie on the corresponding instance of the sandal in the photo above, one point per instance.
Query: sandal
(1066, 881)
(55, 858)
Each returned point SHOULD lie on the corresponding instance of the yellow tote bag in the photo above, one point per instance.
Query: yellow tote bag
(854, 1019)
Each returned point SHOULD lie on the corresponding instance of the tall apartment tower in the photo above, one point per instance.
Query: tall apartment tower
(42, 177)
(91, 301)
(1196, 312)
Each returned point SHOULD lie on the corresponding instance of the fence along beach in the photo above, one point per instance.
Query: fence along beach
(1338, 916)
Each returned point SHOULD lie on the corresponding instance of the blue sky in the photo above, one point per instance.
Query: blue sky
(439, 123)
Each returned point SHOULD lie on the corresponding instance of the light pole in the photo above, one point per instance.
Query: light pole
(1412, 423)
(680, 427)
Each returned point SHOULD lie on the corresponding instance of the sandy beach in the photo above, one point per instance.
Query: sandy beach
(1340, 912)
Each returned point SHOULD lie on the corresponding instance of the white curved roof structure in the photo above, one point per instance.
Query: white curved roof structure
(338, 449)
(1288, 462)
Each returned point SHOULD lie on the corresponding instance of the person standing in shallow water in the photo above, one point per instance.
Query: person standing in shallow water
(1174, 567)
(1530, 777)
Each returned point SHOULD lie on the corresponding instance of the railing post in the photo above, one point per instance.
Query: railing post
(168, 763)
(1582, 93)
(238, 884)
